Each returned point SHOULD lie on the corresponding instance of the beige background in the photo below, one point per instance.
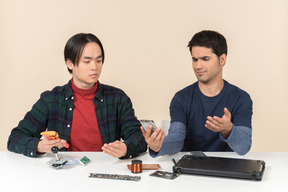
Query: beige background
(146, 54)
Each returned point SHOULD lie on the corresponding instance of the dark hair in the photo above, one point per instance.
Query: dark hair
(209, 39)
(75, 45)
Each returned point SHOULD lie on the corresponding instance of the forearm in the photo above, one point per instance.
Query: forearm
(239, 139)
(130, 131)
(173, 142)
(23, 144)
(135, 146)
(25, 137)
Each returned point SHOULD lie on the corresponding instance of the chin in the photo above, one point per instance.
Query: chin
(204, 81)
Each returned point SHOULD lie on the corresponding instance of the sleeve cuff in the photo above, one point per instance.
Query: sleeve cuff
(230, 135)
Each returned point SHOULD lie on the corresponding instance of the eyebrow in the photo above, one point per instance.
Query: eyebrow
(200, 57)
(87, 57)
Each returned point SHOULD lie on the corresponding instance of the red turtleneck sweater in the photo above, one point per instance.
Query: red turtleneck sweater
(85, 134)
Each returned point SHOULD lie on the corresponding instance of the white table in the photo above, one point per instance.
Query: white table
(18, 172)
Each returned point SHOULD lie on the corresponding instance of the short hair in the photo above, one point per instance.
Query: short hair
(209, 39)
(75, 45)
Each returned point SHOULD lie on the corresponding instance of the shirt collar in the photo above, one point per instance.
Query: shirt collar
(99, 94)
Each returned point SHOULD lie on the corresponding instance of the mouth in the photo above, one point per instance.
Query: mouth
(93, 75)
(200, 73)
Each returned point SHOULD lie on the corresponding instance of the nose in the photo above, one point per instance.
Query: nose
(198, 64)
(93, 65)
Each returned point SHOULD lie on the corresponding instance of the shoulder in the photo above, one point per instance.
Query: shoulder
(184, 97)
(237, 92)
(235, 89)
(187, 91)
(111, 93)
(57, 92)
(58, 89)
(110, 90)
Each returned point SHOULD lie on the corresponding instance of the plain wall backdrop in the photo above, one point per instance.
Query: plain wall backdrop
(146, 54)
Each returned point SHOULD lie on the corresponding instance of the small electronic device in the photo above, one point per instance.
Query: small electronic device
(165, 174)
(145, 123)
(84, 160)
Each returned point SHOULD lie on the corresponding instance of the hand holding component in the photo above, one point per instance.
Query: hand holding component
(45, 145)
(51, 135)
(155, 139)
(51, 139)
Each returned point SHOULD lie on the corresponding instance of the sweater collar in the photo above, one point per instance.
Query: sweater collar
(84, 92)
(99, 93)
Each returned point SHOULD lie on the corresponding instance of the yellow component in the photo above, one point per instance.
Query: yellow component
(50, 134)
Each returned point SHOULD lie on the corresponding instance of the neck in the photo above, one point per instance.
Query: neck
(211, 89)
(82, 85)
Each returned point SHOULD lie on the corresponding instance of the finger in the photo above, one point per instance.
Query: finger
(159, 135)
(160, 138)
(115, 149)
(217, 121)
(107, 148)
(163, 135)
(214, 120)
(45, 145)
(211, 126)
(157, 131)
(149, 130)
(227, 113)
(116, 145)
(52, 143)
(108, 151)
(143, 131)
(63, 143)
(154, 135)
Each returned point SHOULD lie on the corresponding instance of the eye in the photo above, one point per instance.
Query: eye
(86, 61)
(205, 58)
(99, 61)
(194, 59)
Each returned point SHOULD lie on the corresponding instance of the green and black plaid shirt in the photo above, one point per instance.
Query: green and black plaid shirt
(54, 111)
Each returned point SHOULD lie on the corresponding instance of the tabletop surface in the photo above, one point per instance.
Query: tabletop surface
(20, 172)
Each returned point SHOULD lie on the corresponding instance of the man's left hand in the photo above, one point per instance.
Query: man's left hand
(223, 125)
(115, 149)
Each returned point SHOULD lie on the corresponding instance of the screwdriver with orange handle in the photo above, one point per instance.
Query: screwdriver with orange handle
(51, 135)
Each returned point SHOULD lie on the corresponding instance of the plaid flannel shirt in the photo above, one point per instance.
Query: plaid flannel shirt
(54, 111)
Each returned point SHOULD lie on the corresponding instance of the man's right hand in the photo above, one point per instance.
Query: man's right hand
(154, 140)
(46, 144)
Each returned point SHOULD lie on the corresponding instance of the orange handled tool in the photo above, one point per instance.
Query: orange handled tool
(52, 135)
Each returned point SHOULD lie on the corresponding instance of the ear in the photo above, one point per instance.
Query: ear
(69, 64)
(222, 59)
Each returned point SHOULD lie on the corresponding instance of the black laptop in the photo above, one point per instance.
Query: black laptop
(221, 167)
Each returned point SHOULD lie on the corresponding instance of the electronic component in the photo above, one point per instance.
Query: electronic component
(115, 176)
(145, 123)
(148, 167)
(58, 165)
(136, 166)
(165, 175)
(84, 160)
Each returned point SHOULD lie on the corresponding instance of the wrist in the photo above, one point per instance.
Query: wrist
(227, 131)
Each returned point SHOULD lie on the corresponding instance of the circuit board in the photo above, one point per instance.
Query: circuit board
(115, 176)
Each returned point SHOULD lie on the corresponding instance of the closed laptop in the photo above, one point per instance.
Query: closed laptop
(221, 167)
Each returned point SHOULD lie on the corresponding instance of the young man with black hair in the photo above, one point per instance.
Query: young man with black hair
(90, 116)
(209, 115)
